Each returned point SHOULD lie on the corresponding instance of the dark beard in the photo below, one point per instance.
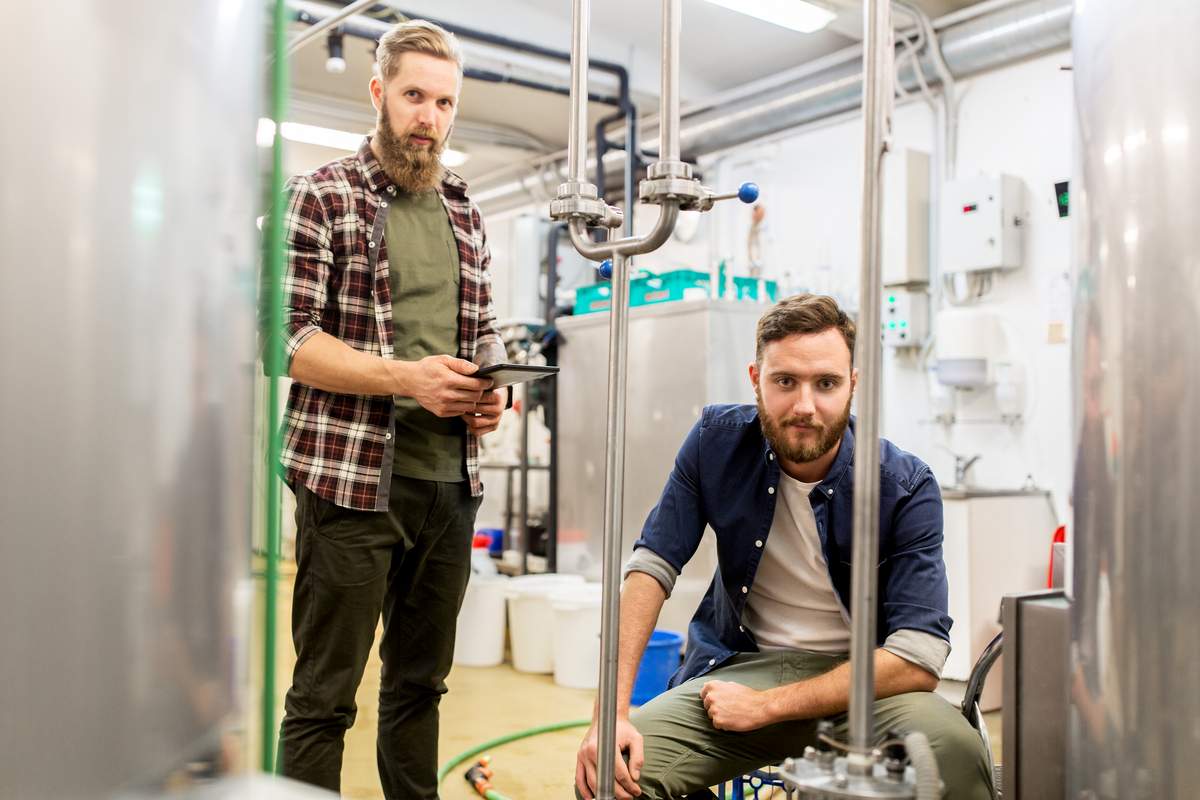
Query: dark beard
(827, 438)
(412, 168)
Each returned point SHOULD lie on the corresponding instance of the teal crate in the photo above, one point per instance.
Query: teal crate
(679, 284)
(747, 288)
(590, 299)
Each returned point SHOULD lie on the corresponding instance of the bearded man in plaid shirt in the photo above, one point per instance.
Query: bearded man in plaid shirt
(388, 315)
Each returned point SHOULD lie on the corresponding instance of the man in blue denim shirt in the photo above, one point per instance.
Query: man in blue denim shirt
(767, 648)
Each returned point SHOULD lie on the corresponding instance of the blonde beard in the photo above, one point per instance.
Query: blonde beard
(412, 169)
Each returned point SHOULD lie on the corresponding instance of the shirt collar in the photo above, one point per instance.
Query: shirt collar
(452, 184)
(841, 462)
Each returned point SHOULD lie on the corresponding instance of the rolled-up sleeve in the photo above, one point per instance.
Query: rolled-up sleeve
(308, 259)
(915, 595)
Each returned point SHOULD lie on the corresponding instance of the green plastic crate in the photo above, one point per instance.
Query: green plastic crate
(679, 284)
(747, 288)
(593, 298)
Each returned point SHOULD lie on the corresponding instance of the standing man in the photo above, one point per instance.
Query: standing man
(767, 652)
(388, 315)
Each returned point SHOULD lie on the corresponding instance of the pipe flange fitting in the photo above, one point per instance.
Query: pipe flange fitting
(577, 189)
(593, 210)
(669, 169)
(687, 191)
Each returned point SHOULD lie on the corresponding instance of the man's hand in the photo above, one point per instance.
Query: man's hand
(486, 416)
(441, 384)
(625, 786)
(733, 707)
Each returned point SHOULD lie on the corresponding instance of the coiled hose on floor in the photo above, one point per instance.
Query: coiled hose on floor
(490, 744)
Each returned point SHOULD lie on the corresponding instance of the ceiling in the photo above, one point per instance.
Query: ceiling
(502, 123)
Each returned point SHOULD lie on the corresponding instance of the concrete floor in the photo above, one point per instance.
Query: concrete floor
(483, 703)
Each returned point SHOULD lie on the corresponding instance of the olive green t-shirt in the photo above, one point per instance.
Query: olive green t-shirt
(424, 273)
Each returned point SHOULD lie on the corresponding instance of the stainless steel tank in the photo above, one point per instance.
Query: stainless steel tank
(128, 192)
(1135, 726)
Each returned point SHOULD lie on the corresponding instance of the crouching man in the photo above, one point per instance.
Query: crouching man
(767, 653)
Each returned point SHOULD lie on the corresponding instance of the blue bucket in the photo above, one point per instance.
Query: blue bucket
(659, 663)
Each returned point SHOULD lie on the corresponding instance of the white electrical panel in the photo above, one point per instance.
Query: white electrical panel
(981, 223)
(905, 244)
(905, 317)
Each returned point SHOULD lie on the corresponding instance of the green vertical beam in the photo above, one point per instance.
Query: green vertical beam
(275, 364)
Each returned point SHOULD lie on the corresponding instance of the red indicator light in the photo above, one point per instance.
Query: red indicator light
(970, 208)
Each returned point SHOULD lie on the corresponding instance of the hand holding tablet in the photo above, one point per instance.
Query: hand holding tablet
(510, 374)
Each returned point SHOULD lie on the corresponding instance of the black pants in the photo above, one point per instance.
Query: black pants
(411, 563)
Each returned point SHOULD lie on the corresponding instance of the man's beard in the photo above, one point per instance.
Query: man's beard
(413, 168)
(827, 436)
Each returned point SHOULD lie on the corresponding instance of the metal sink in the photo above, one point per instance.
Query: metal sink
(973, 492)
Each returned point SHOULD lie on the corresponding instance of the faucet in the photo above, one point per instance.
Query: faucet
(961, 465)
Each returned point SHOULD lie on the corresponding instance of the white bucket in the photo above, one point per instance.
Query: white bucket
(531, 620)
(577, 636)
(479, 641)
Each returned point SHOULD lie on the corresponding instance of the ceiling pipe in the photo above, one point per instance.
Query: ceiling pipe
(1016, 31)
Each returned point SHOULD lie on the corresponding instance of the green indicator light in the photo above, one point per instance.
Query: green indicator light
(892, 299)
(892, 325)
(903, 324)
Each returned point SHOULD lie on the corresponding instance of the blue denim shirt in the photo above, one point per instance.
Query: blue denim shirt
(725, 477)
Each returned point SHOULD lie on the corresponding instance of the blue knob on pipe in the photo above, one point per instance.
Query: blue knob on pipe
(748, 192)
(605, 268)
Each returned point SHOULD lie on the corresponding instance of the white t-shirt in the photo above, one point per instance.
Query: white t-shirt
(792, 604)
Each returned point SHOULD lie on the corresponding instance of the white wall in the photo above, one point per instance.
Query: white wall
(1018, 121)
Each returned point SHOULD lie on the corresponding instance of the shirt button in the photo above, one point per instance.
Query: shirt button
(771, 456)
(770, 490)
(370, 244)
(391, 190)
(830, 491)
(758, 542)
(383, 204)
(387, 436)
(745, 589)
(741, 628)
(712, 661)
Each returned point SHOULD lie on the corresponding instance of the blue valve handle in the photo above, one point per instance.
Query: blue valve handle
(605, 269)
(748, 192)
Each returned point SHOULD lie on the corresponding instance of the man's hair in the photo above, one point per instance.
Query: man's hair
(803, 313)
(415, 36)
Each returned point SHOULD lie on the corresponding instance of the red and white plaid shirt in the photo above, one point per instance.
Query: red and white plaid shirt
(336, 280)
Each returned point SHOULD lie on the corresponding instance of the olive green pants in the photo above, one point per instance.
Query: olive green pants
(685, 754)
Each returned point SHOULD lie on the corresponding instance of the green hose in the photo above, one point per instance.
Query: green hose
(273, 359)
(444, 770)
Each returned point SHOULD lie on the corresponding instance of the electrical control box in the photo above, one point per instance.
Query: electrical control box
(981, 223)
(905, 242)
(904, 317)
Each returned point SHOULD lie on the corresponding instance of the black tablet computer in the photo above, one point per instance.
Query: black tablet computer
(508, 374)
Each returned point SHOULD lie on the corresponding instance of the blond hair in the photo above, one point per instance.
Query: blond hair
(415, 36)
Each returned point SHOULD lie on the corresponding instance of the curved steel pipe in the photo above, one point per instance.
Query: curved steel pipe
(629, 245)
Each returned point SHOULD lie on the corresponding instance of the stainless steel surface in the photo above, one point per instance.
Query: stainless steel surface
(668, 109)
(1135, 637)
(581, 16)
(877, 108)
(1035, 695)
(127, 337)
(812, 779)
(1015, 32)
(682, 356)
(614, 494)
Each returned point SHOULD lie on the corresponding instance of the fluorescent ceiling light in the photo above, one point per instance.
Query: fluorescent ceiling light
(331, 137)
(794, 14)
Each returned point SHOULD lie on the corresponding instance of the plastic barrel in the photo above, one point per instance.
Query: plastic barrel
(577, 635)
(531, 620)
(659, 663)
(479, 641)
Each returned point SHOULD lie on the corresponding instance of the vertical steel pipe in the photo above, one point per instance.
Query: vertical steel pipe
(581, 15)
(877, 94)
(668, 113)
(614, 495)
